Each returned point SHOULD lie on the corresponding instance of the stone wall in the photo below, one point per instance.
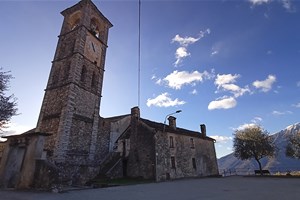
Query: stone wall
(2, 146)
(188, 156)
(141, 159)
(117, 128)
(18, 164)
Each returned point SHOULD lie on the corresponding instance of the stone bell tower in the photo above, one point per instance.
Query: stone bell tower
(71, 105)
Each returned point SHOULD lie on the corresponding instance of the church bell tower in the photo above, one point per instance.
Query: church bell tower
(71, 105)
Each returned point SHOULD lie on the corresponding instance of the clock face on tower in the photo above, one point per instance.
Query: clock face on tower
(92, 49)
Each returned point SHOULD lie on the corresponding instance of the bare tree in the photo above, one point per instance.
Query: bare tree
(253, 142)
(8, 103)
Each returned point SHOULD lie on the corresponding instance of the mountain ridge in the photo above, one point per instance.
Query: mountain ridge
(279, 163)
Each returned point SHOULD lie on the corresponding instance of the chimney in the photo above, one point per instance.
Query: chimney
(203, 130)
(172, 122)
(135, 112)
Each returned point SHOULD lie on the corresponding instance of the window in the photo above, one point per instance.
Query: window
(173, 162)
(171, 142)
(95, 28)
(192, 143)
(94, 81)
(75, 25)
(66, 71)
(55, 77)
(194, 163)
(83, 74)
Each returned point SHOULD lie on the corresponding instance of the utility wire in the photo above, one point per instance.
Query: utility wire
(139, 55)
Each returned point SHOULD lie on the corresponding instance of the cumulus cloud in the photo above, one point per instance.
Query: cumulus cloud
(265, 85)
(226, 82)
(181, 53)
(221, 139)
(244, 126)
(177, 79)
(225, 79)
(184, 42)
(164, 100)
(222, 103)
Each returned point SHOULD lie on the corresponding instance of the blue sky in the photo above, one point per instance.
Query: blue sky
(227, 64)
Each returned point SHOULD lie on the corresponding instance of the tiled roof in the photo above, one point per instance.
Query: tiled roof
(165, 127)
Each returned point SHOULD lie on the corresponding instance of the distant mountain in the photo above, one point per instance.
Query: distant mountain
(278, 163)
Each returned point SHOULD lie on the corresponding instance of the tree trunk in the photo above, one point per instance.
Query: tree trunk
(259, 164)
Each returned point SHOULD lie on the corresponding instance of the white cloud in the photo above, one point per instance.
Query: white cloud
(225, 79)
(194, 92)
(279, 113)
(259, 2)
(222, 103)
(296, 105)
(256, 120)
(181, 53)
(221, 139)
(244, 126)
(286, 4)
(184, 42)
(158, 81)
(177, 79)
(225, 82)
(164, 100)
(265, 85)
(215, 52)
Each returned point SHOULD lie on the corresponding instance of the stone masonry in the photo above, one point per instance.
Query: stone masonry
(72, 144)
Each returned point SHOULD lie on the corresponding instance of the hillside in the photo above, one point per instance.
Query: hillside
(278, 163)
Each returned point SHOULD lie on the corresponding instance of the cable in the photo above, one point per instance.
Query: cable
(139, 56)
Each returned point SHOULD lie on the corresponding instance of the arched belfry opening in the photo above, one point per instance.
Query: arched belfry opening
(95, 27)
(74, 20)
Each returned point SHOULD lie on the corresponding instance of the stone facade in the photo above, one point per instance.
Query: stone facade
(72, 144)
(70, 110)
(161, 152)
(2, 146)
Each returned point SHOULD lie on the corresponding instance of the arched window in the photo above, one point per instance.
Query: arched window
(55, 76)
(75, 24)
(83, 73)
(67, 70)
(74, 20)
(95, 28)
(94, 80)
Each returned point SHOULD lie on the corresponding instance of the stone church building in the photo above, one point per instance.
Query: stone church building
(72, 144)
